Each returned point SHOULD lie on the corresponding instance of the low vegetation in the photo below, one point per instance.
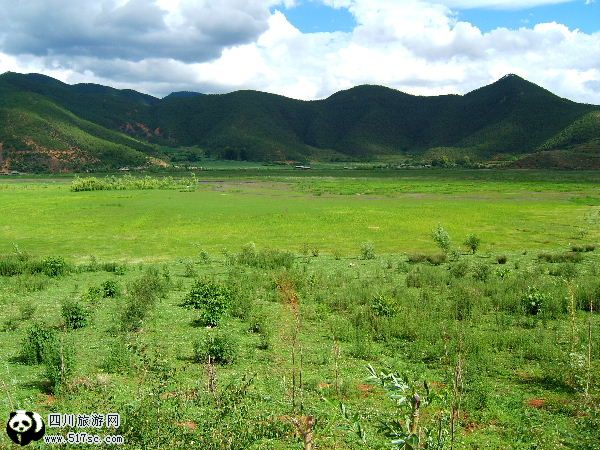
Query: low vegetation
(350, 340)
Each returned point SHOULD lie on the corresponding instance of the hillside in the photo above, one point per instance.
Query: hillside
(49, 125)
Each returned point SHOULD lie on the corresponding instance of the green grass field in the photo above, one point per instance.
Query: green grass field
(504, 337)
(283, 211)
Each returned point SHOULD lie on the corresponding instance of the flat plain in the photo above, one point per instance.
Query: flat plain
(302, 280)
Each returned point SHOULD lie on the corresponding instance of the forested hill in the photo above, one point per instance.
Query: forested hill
(49, 125)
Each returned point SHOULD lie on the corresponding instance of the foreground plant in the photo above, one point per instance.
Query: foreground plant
(406, 431)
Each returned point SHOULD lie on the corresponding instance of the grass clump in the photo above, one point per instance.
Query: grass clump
(265, 258)
(129, 182)
(560, 257)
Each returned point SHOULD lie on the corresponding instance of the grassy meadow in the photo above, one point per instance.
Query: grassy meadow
(275, 309)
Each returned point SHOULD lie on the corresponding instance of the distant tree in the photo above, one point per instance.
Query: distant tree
(472, 242)
(441, 238)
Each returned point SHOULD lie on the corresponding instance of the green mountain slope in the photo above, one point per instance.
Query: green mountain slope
(511, 117)
(36, 134)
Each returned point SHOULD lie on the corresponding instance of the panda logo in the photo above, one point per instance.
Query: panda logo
(25, 426)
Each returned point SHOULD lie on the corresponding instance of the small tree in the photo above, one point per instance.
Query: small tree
(472, 242)
(441, 238)
(212, 299)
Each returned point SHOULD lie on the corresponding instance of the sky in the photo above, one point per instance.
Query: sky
(306, 49)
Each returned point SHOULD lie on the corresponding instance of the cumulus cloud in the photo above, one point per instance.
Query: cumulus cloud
(418, 46)
(186, 30)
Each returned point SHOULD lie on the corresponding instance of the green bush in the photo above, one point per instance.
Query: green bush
(534, 301)
(260, 323)
(211, 298)
(92, 295)
(54, 266)
(459, 269)
(441, 238)
(219, 346)
(383, 306)
(39, 336)
(75, 314)
(481, 272)
(110, 289)
(119, 357)
(501, 259)
(142, 295)
(367, 250)
(11, 266)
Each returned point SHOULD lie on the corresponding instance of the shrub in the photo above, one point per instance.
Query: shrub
(54, 266)
(564, 270)
(459, 269)
(190, 270)
(441, 238)
(11, 266)
(59, 362)
(533, 301)
(110, 288)
(92, 295)
(383, 306)
(119, 357)
(113, 267)
(211, 298)
(260, 324)
(589, 247)
(142, 295)
(219, 346)
(481, 272)
(204, 257)
(38, 337)
(75, 314)
(472, 243)
(501, 259)
(367, 250)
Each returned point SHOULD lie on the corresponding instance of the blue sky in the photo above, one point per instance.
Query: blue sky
(313, 16)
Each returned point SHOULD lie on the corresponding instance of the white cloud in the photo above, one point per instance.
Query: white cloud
(417, 46)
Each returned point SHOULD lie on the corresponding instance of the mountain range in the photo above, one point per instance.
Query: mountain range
(47, 125)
